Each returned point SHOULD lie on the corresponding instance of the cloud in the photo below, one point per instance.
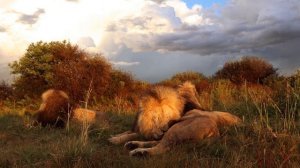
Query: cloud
(158, 1)
(159, 37)
(86, 42)
(31, 19)
(4, 71)
(124, 63)
(242, 25)
(2, 29)
(155, 66)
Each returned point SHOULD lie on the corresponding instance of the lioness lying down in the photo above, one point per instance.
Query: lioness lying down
(194, 126)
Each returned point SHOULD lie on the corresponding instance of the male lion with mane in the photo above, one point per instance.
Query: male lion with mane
(159, 107)
(56, 110)
(194, 126)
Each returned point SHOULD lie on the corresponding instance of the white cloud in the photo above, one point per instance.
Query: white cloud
(124, 63)
(86, 42)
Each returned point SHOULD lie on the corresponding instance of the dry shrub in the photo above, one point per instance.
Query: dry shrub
(76, 77)
(251, 69)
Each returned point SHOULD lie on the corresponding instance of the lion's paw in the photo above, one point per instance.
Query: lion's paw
(139, 152)
(131, 145)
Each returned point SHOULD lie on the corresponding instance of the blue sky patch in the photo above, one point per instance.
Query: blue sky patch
(204, 3)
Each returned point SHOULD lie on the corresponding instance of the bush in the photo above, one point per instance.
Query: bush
(78, 77)
(5, 90)
(188, 76)
(120, 84)
(203, 85)
(60, 65)
(179, 78)
(250, 69)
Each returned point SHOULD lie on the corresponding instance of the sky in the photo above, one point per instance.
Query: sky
(204, 3)
(155, 39)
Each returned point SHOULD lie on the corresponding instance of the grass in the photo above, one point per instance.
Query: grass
(269, 136)
(249, 145)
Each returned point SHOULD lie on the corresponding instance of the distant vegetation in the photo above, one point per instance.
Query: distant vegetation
(250, 88)
(249, 69)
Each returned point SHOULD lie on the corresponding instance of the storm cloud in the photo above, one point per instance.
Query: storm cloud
(240, 26)
(264, 28)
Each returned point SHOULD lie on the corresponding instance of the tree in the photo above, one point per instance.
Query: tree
(5, 91)
(250, 69)
(60, 65)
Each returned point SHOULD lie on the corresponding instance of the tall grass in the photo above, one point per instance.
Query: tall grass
(268, 137)
(277, 109)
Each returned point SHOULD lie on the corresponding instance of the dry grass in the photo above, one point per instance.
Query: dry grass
(251, 145)
(269, 136)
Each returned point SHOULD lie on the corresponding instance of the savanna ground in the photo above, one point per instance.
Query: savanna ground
(268, 136)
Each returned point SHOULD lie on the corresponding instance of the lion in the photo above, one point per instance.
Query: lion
(194, 126)
(56, 110)
(158, 109)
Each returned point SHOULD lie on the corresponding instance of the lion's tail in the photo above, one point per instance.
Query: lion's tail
(224, 119)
